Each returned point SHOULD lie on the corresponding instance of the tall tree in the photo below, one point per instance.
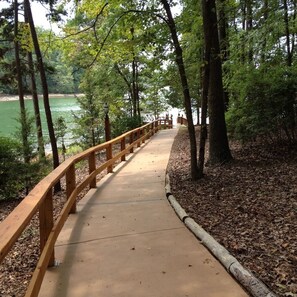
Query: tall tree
(219, 151)
(186, 92)
(41, 69)
(40, 141)
(23, 113)
(224, 39)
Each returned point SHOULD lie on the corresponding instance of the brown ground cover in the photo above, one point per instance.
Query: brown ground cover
(248, 205)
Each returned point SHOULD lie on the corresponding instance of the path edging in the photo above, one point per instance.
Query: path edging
(253, 285)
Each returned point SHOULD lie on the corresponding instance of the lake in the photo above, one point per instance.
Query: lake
(10, 110)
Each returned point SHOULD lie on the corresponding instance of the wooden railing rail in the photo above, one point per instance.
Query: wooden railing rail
(40, 199)
(181, 120)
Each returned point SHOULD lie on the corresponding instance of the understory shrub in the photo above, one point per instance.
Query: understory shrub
(15, 174)
(263, 102)
(10, 164)
(125, 123)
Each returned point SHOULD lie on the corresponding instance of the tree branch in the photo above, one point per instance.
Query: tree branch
(92, 26)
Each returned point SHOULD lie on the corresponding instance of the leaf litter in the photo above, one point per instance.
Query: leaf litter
(248, 205)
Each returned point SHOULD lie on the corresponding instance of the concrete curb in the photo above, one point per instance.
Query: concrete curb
(253, 285)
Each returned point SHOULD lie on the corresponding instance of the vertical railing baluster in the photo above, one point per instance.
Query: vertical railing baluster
(46, 223)
(70, 185)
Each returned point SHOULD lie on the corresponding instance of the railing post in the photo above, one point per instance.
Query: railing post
(152, 130)
(92, 167)
(138, 137)
(70, 185)
(156, 125)
(46, 223)
(123, 147)
(109, 156)
(131, 141)
(143, 134)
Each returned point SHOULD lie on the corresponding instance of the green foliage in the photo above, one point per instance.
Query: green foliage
(60, 132)
(263, 103)
(87, 129)
(10, 163)
(15, 175)
(29, 169)
(60, 128)
(26, 131)
(124, 123)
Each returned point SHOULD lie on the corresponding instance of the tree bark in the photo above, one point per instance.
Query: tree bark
(219, 151)
(265, 15)
(186, 92)
(135, 88)
(203, 126)
(40, 141)
(287, 30)
(20, 85)
(249, 28)
(47, 108)
(224, 41)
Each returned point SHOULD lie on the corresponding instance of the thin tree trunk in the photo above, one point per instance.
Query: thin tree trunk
(134, 87)
(44, 89)
(137, 91)
(203, 126)
(249, 27)
(125, 79)
(224, 41)
(263, 50)
(287, 30)
(218, 141)
(41, 151)
(20, 85)
(40, 141)
(185, 86)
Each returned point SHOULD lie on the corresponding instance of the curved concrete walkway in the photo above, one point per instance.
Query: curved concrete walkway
(127, 241)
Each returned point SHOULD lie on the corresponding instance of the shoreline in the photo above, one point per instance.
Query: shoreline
(5, 97)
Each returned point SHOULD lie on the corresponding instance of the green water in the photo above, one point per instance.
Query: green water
(9, 111)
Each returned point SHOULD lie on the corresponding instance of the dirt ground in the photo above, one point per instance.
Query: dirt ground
(248, 205)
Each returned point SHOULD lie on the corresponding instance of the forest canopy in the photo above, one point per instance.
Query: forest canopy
(231, 60)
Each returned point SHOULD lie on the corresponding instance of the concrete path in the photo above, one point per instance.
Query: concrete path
(127, 241)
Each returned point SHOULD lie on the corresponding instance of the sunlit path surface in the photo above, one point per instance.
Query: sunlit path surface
(125, 239)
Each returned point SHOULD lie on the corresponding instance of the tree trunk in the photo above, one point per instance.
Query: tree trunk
(203, 126)
(249, 28)
(135, 97)
(20, 86)
(186, 92)
(265, 15)
(287, 30)
(219, 151)
(224, 41)
(41, 151)
(44, 89)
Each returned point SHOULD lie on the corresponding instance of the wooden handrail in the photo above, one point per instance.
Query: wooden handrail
(181, 120)
(40, 199)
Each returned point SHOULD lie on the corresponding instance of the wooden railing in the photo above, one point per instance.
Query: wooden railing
(40, 199)
(181, 120)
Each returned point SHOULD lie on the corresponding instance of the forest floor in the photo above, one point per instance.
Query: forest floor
(248, 205)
